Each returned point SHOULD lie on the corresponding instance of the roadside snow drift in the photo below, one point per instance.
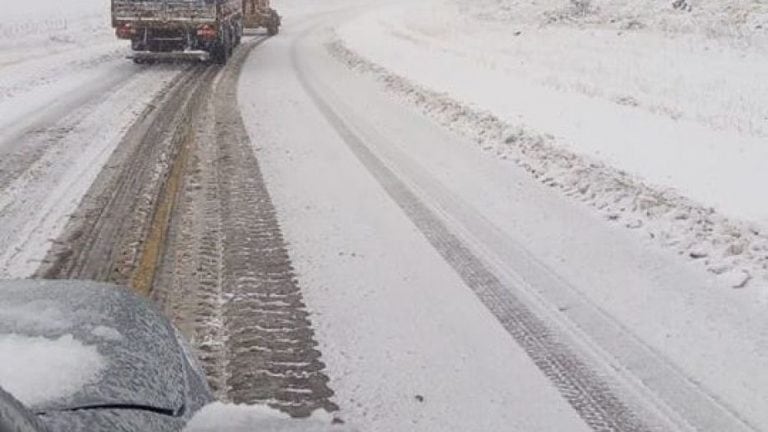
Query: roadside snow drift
(644, 112)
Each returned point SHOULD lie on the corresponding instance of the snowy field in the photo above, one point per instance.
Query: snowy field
(742, 20)
(655, 115)
(40, 27)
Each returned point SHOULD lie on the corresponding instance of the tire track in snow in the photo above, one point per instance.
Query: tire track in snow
(585, 392)
(599, 400)
(226, 276)
(103, 240)
(54, 166)
(24, 143)
(218, 266)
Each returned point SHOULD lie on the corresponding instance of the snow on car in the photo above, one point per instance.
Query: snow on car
(85, 356)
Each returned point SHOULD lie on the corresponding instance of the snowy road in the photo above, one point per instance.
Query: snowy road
(60, 123)
(388, 215)
(325, 244)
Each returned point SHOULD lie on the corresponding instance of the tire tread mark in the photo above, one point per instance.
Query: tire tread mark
(102, 241)
(228, 262)
(589, 395)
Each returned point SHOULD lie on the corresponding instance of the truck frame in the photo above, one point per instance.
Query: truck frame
(179, 29)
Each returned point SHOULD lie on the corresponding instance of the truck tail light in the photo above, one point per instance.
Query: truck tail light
(126, 31)
(207, 32)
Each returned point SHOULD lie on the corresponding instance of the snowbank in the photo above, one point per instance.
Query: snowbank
(220, 417)
(659, 133)
(37, 370)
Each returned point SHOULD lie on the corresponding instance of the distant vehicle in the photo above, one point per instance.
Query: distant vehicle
(258, 13)
(179, 29)
(148, 380)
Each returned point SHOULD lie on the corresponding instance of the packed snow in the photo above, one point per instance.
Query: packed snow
(219, 416)
(653, 114)
(37, 370)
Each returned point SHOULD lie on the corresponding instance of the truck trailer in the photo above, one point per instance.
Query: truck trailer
(179, 29)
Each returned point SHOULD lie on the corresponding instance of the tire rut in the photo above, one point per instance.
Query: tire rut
(227, 266)
(593, 397)
(181, 213)
(39, 136)
(103, 240)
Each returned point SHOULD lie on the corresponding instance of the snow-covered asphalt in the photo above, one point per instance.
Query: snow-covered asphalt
(434, 263)
(325, 242)
(60, 120)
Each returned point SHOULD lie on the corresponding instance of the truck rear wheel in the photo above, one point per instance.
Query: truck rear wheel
(273, 25)
(222, 49)
(239, 34)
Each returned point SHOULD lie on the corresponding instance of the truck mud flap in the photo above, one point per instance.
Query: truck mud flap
(177, 56)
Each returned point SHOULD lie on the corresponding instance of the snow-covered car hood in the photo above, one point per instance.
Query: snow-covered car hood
(88, 345)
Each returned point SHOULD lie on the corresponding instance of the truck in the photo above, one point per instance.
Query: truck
(179, 29)
(258, 13)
